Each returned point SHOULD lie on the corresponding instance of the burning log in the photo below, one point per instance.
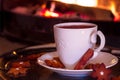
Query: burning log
(85, 13)
(21, 25)
(66, 11)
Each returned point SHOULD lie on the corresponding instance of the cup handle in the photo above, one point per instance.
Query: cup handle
(102, 41)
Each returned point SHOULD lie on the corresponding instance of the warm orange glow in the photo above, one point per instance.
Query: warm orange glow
(113, 10)
(50, 14)
(94, 3)
(90, 3)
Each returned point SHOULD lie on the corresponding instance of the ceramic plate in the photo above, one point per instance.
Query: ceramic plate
(108, 59)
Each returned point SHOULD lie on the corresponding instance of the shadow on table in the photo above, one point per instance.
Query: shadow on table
(56, 76)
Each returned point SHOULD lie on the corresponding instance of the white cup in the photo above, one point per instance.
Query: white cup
(73, 39)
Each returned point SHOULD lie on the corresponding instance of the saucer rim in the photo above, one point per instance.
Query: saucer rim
(42, 63)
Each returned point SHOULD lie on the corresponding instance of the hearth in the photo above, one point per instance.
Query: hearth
(25, 22)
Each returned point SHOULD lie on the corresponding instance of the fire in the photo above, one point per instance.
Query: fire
(113, 10)
(49, 13)
(90, 3)
(94, 3)
(110, 5)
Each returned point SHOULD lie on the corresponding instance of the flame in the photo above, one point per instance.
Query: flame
(89, 3)
(49, 13)
(94, 3)
(113, 10)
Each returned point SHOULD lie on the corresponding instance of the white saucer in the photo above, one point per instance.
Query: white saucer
(108, 59)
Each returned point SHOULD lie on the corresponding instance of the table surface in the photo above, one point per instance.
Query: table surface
(7, 45)
(41, 73)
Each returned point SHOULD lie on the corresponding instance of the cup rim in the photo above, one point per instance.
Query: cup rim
(74, 23)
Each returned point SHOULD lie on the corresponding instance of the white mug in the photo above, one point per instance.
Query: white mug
(73, 39)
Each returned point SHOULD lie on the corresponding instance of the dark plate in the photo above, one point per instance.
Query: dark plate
(36, 72)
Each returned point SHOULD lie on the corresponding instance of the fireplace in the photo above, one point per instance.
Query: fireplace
(32, 20)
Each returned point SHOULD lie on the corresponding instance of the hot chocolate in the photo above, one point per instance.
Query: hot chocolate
(76, 27)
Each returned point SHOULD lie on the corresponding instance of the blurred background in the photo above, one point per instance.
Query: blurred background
(30, 22)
